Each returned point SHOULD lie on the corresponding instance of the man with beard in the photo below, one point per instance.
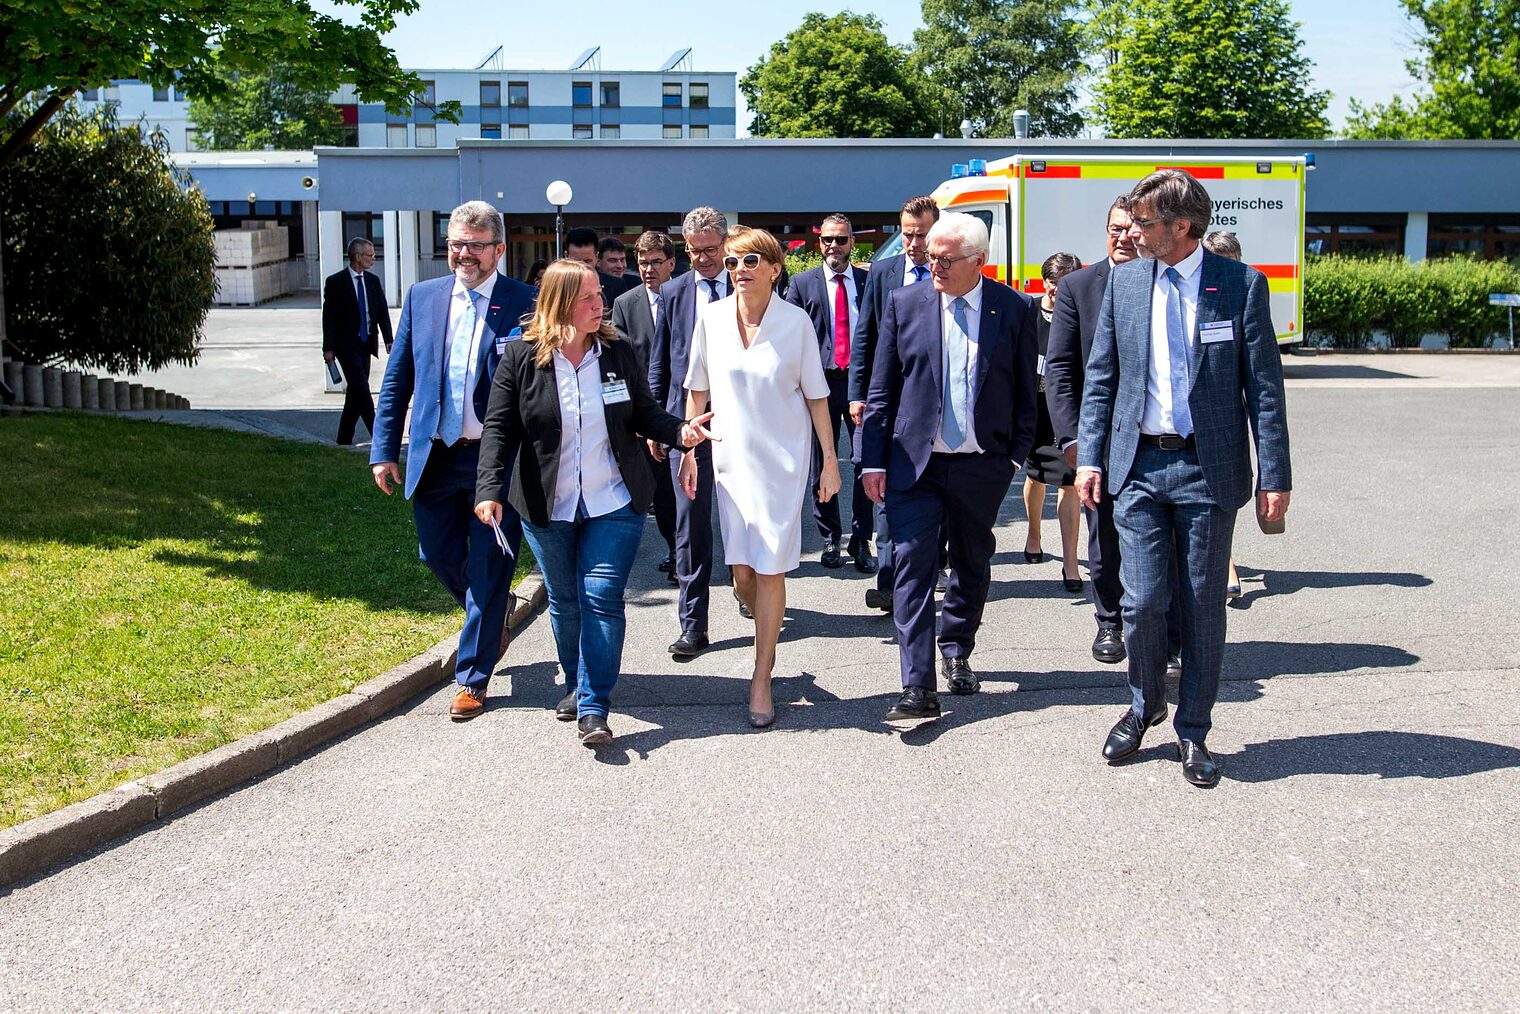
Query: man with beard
(453, 331)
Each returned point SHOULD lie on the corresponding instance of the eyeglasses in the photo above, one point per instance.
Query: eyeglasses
(1144, 223)
(1117, 230)
(944, 263)
(475, 246)
(652, 264)
(703, 251)
(749, 260)
(835, 240)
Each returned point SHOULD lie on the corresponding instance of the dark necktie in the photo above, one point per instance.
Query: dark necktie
(363, 310)
(712, 290)
(918, 272)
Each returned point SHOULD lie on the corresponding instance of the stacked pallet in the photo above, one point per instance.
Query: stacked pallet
(251, 264)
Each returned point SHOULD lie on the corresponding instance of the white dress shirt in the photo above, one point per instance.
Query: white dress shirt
(973, 333)
(653, 296)
(1157, 417)
(587, 469)
(472, 370)
(830, 286)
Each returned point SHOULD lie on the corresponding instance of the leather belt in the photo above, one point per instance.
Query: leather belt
(1168, 441)
(461, 442)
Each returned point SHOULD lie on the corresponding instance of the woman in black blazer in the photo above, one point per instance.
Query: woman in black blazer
(570, 405)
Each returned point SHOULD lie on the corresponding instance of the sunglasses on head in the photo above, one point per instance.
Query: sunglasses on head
(749, 260)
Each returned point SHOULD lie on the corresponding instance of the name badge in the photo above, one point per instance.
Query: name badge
(1216, 331)
(1039, 365)
(501, 346)
(614, 391)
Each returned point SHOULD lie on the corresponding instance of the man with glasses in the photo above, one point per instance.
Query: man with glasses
(703, 230)
(354, 318)
(453, 331)
(1184, 359)
(950, 416)
(635, 314)
(830, 293)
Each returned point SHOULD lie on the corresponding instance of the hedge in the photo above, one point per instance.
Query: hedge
(1348, 299)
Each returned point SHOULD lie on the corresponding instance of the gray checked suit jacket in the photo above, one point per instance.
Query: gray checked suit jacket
(1234, 382)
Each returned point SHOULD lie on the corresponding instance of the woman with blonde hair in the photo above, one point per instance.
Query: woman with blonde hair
(757, 356)
(571, 407)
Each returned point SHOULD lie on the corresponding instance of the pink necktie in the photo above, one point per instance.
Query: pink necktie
(841, 325)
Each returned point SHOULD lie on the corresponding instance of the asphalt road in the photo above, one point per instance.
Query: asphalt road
(1360, 853)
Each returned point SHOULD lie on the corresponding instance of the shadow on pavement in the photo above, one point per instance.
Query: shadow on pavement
(1385, 754)
(1285, 582)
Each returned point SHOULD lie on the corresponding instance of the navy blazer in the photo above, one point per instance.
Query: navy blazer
(671, 354)
(884, 278)
(340, 315)
(1234, 382)
(416, 366)
(811, 291)
(1078, 301)
(904, 404)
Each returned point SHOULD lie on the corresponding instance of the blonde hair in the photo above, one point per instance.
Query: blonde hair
(742, 240)
(550, 326)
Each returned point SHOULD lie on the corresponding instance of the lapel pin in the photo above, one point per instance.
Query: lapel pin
(1210, 289)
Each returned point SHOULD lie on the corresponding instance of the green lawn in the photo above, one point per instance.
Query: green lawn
(168, 589)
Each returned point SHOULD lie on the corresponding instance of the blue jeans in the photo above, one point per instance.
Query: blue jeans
(586, 563)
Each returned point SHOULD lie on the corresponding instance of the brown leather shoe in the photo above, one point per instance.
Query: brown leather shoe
(469, 702)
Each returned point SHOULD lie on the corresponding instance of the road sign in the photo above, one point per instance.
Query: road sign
(1504, 299)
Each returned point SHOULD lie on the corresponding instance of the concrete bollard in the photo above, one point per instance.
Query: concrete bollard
(186, 403)
(52, 387)
(32, 383)
(89, 392)
(13, 380)
(148, 395)
(73, 396)
(160, 399)
(107, 396)
(134, 397)
(123, 396)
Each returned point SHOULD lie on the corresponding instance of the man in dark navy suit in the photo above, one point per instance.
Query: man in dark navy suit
(704, 230)
(950, 415)
(453, 331)
(916, 218)
(354, 316)
(830, 293)
(582, 244)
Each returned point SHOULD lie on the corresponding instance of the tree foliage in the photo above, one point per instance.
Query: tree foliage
(266, 108)
(108, 253)
(51, 50)
(1204, 68)
(836, 77)
(1469, 59)
(991, 57)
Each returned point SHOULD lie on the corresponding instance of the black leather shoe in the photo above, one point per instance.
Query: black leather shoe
(743, 609)
(915, 702)
(1173, 667)
(668, 565)
(594, 730)
(565, 709)
(1071, 584)
(1124, 738)
(878, 599)
(959, 677)
(1198, 765)
(864, 561)
(830, 557)
(690, 644)
(1108, 646)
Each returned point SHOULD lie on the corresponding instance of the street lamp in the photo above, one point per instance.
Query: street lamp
(559, 194)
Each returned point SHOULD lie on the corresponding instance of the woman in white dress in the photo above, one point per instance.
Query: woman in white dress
(756, 357)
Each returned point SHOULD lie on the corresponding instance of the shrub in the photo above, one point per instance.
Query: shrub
(1348, 299)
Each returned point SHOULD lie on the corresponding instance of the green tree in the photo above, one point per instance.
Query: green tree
(51, 50)
(1204, 68)
(1469, 58)
(266, 108)
(836, 77)
(108, 255)
(991, 57)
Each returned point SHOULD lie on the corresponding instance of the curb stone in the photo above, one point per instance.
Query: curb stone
(37, 845)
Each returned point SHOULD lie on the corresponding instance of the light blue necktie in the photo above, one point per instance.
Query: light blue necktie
(459, 365)
(1177, 352)
(956, 393)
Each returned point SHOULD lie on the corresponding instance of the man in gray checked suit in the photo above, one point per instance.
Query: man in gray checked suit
(1183, 358)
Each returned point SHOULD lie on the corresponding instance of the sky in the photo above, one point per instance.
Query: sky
(1358, 46)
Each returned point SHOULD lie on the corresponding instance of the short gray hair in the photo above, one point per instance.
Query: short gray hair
(354, 245)
(1224, 244)
(704, 219)
(479, 215)
(967, 230)
(1174, 196)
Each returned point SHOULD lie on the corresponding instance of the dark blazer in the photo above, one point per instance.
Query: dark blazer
(1078, 301)
(416, 365)
(340, 315)
(672, 339)
(614, 286)
(884, 278)
(904, 403)
(523, 424)
(630, 316)
(1234, 382)
(811, 291)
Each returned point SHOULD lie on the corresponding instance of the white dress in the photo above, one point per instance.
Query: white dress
(763, 462)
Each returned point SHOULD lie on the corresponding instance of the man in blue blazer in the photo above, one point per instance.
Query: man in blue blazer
(1184, 358)
(830, 293)
(704, 230)
(950, 414)
(452, 333)
(916, 218)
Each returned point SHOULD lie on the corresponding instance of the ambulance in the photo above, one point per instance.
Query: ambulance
(1037, 206)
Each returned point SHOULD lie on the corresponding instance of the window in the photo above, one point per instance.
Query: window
(490, 131)
(440, 235)
(163, 94)
(395, 135)
(359, 225)
(1489, 237)
(611, 133)
(698, 95)
(427, 135)
(698, 130)
(612, 93)
(1367, 235)
(517, 133)
(580, 93)
(89, 94)
(428, 96)
(517, 94)
(490, 93)
(672, 131)
(192, 141)
(672, 96)
(581, 132)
